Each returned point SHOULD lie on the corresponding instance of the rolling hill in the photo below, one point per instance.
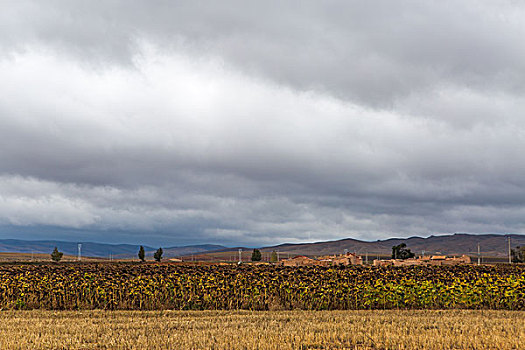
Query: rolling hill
(491, 245)
(91, 249)
(456, 244)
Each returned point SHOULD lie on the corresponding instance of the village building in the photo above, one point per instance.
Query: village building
(331, 260)
(435, 260)
(299, 260)
(344, 259)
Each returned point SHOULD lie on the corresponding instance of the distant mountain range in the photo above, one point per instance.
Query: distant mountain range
(493, 245)
(98, 249)
(456, 244)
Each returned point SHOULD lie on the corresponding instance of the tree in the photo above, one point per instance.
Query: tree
(518, 254)
(273, 257)
(142, 254)
(256, 255)
(56, 255)
(401, 252)
(158, 254)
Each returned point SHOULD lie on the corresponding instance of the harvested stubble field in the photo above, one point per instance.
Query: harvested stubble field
(213, 287)
(357, 329)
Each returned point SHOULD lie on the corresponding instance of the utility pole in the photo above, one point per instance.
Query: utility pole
(479, 255)
(510, 257)
(240, 256)
(366, 258)
(277, 256)
(79, 251)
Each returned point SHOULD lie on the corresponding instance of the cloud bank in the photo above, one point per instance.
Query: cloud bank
(260, 123)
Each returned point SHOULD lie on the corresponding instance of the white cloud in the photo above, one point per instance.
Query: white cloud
(252, 125)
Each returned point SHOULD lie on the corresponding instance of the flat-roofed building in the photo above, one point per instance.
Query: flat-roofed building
(435, 260)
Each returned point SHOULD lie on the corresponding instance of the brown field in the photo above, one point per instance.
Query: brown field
(211, 257)
(233, 256)
(391, 329)
(38, 257)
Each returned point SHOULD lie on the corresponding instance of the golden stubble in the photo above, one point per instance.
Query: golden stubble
(378, 329)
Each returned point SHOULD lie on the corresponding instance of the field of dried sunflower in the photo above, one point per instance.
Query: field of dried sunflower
(128, 286)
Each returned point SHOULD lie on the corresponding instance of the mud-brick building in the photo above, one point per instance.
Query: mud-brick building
(435, 260)
(299, 260)
(343, 259)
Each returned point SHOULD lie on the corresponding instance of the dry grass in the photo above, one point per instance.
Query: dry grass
(40, 257)
(391, 329)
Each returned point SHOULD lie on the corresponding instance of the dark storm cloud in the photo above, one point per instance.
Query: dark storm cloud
(262, 122)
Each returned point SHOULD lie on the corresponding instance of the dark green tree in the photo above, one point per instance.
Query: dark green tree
(256, 255)
(142, 254)
(273, 257)
(158, 255)
(401, 252)
(56, 255)
(518, 254)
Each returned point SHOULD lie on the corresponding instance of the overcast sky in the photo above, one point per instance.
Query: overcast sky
(260, 122)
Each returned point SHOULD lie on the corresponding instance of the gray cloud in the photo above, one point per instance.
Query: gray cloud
(375, 52)
(260, 123)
